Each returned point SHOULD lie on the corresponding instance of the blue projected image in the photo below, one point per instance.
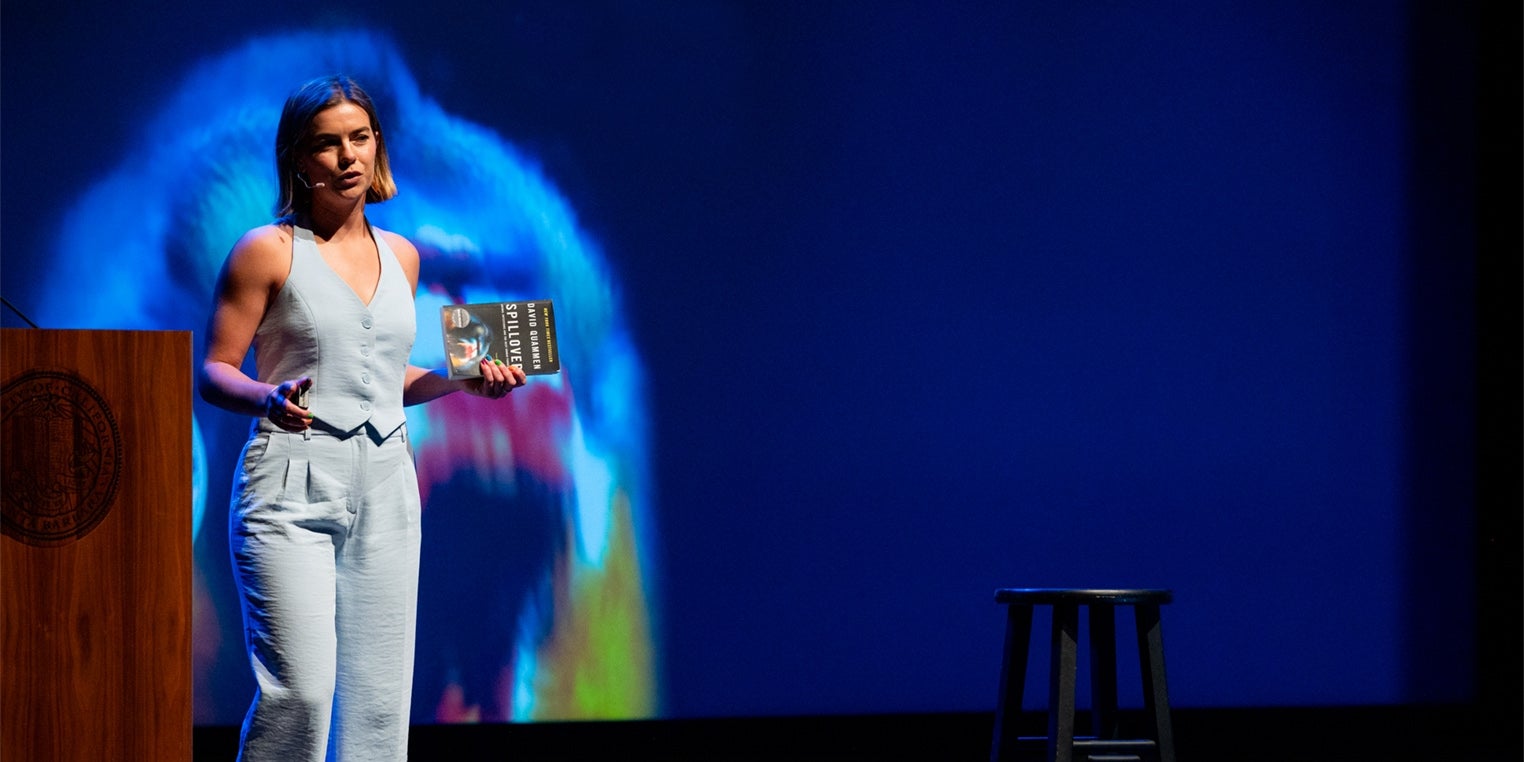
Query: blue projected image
(555, 482)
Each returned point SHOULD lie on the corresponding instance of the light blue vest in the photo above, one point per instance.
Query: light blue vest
(356, 353)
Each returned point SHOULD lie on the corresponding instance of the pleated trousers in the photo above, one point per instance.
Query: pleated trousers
(324, 534)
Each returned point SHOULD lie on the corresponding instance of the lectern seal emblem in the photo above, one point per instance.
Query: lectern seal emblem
(61, 457)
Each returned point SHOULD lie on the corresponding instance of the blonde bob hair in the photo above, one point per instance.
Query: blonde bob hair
(295, 130)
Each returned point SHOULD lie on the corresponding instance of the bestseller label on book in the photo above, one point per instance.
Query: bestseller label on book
(519, 333)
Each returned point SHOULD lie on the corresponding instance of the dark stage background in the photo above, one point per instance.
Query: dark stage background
(930, 299)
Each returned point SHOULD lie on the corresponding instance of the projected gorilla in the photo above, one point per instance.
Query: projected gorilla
(533, 596)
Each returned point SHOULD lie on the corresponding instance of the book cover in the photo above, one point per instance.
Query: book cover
(518, 333)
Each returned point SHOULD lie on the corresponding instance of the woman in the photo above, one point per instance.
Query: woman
(325, 508)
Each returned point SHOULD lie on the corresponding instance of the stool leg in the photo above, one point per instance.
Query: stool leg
(1013, 680)
(1155, 686)
(1103, 670)
(1061, 682)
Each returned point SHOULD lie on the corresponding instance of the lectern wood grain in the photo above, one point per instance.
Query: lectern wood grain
(95, 564)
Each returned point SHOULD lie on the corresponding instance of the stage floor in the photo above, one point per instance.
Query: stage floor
(1300, 734)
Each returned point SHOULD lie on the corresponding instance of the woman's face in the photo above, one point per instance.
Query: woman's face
(341, 152)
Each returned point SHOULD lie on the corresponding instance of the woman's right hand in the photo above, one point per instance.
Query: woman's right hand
(281, 407)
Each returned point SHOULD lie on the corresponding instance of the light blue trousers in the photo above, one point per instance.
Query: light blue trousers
(325, 534)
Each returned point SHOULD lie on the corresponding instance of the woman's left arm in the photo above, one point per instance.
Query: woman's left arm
(420, 385)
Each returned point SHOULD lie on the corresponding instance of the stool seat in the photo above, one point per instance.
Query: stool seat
(1047, 596)
(1061, 744)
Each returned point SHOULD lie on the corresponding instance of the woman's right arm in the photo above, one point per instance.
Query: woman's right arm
(251, 276)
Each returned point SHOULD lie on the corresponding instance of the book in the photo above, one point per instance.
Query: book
(518, 333)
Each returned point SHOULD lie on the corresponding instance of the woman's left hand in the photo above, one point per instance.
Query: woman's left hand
(497, 380)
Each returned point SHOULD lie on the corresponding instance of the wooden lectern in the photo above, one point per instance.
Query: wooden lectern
(95, 564)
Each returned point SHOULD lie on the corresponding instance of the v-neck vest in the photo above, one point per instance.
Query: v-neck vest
(356, 354)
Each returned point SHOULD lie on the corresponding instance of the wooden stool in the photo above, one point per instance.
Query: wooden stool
(1061, 745)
